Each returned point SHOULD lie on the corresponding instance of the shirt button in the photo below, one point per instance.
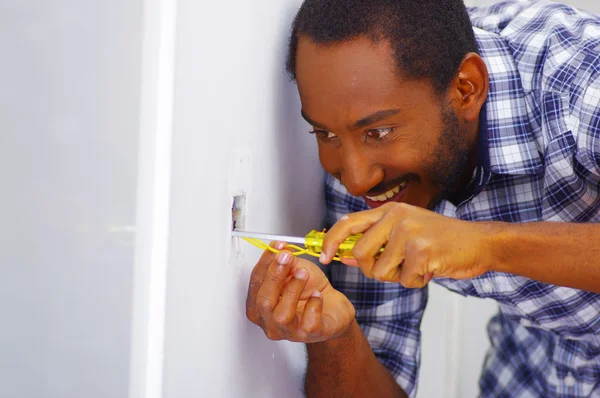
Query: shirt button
(525, 322)
(487, 287)
(570, 380)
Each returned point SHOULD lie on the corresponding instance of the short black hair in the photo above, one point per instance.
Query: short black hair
(430, 38)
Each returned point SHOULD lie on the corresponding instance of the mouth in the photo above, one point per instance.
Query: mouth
(392, 195)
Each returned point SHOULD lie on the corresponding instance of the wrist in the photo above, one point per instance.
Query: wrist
(497, 244)
(350, 338)
(351, 334)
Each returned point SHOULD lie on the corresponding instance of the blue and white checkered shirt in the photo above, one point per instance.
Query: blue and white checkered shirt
(541, 128)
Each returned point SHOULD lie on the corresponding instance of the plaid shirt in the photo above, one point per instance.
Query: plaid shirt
(540, 131)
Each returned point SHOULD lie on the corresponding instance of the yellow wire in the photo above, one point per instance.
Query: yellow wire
(298, 250)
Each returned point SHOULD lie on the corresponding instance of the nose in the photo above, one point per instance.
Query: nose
(359, 173)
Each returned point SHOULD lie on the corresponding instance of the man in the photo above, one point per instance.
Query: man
(467, 144)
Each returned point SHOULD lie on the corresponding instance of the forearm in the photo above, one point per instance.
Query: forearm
(347, 367)
(557, 253)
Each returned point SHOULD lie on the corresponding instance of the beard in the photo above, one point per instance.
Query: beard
(451, 156)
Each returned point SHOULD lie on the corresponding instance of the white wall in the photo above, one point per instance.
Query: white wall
(589, 5)
(233, 103)
(69, 79)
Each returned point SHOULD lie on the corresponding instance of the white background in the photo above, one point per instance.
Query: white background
(69, 112)
(125, 130)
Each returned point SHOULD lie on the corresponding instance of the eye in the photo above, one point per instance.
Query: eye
(379, 134)
(323, 135)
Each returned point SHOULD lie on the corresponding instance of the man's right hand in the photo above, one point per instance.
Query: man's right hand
(291, 299)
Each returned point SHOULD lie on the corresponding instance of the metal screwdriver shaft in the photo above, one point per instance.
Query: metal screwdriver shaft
(268, 237)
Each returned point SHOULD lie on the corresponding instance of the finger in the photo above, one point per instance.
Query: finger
(349, 224)
(388, 266)
(410, 278)
(267, 258)
(260, 269)
(349, 261)
(287, 279)
(268, 295)
(428, 278)
(312, 315)
(256, 281)
(367, 249)
(418, 263)
(284, 315)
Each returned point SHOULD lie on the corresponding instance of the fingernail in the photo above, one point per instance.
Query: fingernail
(323, 257)
(300, 273)
(283, 258)
(279, 245)
(316, 293)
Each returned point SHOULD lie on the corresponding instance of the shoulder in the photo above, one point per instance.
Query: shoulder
(550, 43)
(495, 17)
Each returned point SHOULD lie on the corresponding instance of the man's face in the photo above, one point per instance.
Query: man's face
(385, 138)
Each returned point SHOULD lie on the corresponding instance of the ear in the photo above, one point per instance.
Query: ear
(471, 84)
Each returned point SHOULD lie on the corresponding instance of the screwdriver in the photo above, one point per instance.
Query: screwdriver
(313, 241)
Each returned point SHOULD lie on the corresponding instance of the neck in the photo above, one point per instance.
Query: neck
(457, 194)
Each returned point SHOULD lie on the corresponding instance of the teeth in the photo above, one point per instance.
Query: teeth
(387, 195)
(380, 198)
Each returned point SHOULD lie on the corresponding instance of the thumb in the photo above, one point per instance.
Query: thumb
(351, 261)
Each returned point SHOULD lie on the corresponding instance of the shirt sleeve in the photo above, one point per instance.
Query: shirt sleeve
(585, 123)
(388, 314)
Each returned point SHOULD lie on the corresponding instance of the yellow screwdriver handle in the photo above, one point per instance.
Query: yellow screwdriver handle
(314, 242)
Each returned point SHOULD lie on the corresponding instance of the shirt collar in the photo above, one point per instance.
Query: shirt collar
(483, 152)
(506, 140)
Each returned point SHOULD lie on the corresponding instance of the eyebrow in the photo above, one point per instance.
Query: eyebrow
(311, 122)
(375, 117)
(365, 121)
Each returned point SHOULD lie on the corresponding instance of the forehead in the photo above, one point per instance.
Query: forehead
(347, 66)
(353, 77)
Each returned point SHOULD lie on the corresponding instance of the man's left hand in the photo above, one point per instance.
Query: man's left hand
(419, 245)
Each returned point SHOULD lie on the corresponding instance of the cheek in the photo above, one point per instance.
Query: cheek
(393, 158)
(400, 159)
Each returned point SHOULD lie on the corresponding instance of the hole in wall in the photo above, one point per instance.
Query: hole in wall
(238, 213)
